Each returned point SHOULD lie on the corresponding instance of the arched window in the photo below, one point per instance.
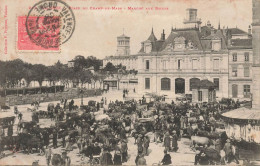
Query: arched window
(165, 84)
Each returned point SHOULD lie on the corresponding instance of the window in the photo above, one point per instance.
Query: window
(194, 82)
(164, 63)
(234, 57)
(216, 64)
(234, 71)
(246, 90)
(147, 65)
(246, 54)
(246, 72)
(216, 82)
(194, 64)
(179, 63)
(165, 84)
(147, 83)
(200, 95)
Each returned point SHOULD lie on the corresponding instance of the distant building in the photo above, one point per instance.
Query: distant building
(122, 55)
(71, 64)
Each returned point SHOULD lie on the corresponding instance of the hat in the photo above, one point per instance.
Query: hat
(140, 135)
(228, 140)
(96, 143)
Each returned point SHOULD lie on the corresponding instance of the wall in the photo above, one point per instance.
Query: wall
(28, 99)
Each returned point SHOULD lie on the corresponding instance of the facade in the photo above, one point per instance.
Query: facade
(240, 63)
(256, 53)
(130, 62)
(171, 66)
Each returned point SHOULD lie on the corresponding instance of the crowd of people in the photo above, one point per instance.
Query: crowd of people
(105, 140)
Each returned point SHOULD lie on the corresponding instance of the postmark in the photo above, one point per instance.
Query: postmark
(50, 23)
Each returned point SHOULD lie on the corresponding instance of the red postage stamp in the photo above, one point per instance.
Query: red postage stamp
(43, 36)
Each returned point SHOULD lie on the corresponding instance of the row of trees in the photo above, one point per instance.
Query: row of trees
(12, 72)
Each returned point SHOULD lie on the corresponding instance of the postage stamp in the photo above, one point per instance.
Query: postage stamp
(24, 43)
(48, 24)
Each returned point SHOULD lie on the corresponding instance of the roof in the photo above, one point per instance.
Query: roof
(243, 113)
(121, 57)
(204, 84)
(235, 31)
(152, 37)
(244, 43)
(190, 35)
(124, 36)
(206, 42)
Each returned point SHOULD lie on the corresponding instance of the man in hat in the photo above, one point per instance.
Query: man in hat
(54, 139)
(146, 144)
(124, 149)
(174, 141)
(167, 160)
(227, 149)
(117, 158)
(96, 149)
(65, 160)
(167, 141)
(106, 157)
(140, 143)
(48, 154)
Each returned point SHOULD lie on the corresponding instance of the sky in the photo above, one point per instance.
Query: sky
(96, 30)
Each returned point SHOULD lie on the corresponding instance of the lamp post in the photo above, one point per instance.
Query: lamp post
(81, 91)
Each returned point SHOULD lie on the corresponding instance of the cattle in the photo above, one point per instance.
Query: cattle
(201, 141)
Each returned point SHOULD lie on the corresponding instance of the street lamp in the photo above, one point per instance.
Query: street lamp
(81, 91)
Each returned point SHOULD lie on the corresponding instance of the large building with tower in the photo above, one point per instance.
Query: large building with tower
(172, 65)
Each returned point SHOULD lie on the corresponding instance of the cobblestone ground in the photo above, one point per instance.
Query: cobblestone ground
(184, 156)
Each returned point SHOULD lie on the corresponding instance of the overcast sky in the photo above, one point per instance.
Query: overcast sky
(96, 30)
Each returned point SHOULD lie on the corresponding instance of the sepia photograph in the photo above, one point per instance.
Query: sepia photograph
(129, 82)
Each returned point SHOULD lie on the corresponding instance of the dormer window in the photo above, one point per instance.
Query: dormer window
(216, 44)
(147, 47)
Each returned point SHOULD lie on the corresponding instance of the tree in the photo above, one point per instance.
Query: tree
(84, 76)
(39, 73)
(110, 68)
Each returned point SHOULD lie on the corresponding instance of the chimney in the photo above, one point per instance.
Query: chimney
(212, 32)
(249, 30)
(163, 35)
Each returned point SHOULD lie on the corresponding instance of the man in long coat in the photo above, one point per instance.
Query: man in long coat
(124, 149)
(174, 142)
(146, 144)
(106, 158)
(167, 141)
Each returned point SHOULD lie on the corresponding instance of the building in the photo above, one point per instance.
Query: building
(171, 66)
(240, 63)
(71, 63)
(130, 62)
(122, 55)
(256, 53)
